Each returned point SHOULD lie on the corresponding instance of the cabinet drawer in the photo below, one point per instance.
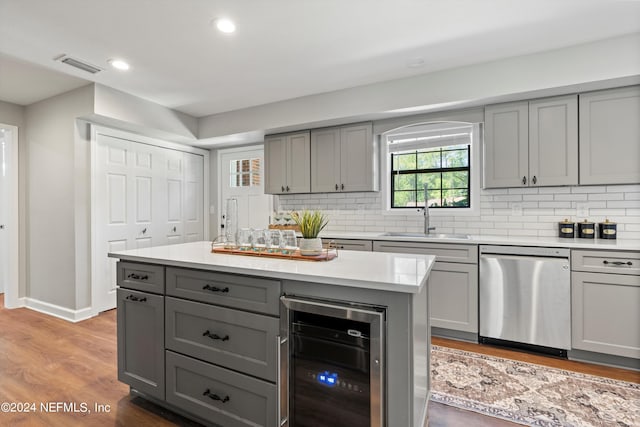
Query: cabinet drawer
(444, 252)
(353, 245)
(143, 277)
(244, 292)
(219, 395)
(618, 262)
(235, 339)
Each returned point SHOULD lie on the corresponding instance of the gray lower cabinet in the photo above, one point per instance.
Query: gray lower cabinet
(453, 296)
(605, 296)
(220, 395)
(141, 341)
(453, 282)
(212, 336)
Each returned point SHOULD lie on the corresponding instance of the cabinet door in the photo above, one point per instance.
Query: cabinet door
(553, 141)
(357, 158)
(604, 313)
(275, 164)
(325, 160)
(506, 151)
(141, 341)
(609, 136)
(298, 163)
(453, 296)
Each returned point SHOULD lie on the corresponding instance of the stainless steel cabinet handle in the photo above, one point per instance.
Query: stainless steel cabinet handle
(534, 180)
(605, 262)
(524, 180)
(282, 405)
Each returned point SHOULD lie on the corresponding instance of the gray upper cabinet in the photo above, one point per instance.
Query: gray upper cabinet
(531, 143)
(553, 141)
(610, 136)
(344, 159)
(287, 163)
(506, 145)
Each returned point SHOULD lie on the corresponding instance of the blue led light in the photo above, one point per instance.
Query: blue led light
(328, 379)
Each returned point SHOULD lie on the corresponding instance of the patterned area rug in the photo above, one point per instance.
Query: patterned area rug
(531, 394)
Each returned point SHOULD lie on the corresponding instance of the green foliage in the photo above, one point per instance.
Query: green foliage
(311, 223)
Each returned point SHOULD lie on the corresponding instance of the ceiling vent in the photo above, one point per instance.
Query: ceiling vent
(79, 64)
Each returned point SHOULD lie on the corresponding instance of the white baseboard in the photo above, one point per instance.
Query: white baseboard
(18, 303)
(58, 311)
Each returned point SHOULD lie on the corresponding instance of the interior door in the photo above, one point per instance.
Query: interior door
(128, 195)
(173, 188)
(242, 174)
(193, 197)
(4, 203)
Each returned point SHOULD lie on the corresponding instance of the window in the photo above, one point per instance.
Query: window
(244, 173)
(437, 155)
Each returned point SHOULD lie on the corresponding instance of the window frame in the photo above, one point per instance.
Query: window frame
(474, 172)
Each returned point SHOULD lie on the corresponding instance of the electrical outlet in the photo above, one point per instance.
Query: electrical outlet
(516, 209)
(582, 211)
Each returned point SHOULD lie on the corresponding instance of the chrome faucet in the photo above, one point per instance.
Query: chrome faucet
(427, 229)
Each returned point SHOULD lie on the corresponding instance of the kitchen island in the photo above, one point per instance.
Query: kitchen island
(204, 334)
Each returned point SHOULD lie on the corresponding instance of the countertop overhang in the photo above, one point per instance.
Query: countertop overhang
(405, 273)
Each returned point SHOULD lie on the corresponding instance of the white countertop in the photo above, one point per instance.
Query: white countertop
(556, 242)
(405, 273)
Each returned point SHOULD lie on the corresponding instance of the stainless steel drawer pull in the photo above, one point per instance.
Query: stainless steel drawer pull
(215, 336)
(215, 396)
(214, 289)
(605, 262)
(137, 277)
(136, 299)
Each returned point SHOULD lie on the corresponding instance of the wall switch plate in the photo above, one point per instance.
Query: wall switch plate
(516, 209)
(582, 210)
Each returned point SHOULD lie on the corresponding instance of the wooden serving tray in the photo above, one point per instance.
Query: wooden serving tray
(284, 227)
(326, 255)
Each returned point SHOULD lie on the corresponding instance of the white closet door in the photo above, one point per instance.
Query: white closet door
(193, 197)
(114, 214)
(173, 188)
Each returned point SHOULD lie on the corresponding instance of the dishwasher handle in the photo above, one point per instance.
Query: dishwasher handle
(534, 251)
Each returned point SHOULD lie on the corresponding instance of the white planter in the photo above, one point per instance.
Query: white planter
(310, 247)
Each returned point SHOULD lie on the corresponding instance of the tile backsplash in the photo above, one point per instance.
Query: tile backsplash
(511, 212)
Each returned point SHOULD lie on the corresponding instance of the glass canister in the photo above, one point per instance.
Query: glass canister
(231, 223)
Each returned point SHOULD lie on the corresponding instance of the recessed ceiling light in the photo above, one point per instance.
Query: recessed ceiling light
(225, 25)
(119, 64)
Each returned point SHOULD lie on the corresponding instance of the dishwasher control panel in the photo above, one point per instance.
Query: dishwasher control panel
(525, 251)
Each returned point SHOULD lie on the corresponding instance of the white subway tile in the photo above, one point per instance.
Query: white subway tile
(570, 197)
(632, 196)
(537, 197)
(507, 198)
(619, 212)
(554, 190)
(523, 232)
(623, 188)
(523, 190)
(554, 204)
(495, 191)
(606, 196)
(623, 204)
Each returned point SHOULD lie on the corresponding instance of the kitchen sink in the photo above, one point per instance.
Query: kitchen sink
(426, 236)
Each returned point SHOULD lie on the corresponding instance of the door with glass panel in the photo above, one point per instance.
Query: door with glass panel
(242, 172)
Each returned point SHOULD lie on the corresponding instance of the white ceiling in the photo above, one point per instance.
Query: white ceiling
(282, 48)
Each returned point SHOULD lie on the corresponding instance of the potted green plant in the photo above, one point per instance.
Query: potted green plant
(311, 224)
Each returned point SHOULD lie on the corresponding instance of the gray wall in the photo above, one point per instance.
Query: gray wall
(11, 114)
(58, 168)
(603, 60)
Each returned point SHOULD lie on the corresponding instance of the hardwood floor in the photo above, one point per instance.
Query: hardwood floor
(45, 360)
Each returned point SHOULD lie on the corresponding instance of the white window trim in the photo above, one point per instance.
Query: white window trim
(475, 187)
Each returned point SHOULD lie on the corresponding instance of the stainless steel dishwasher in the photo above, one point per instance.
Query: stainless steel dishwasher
(525, 298)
